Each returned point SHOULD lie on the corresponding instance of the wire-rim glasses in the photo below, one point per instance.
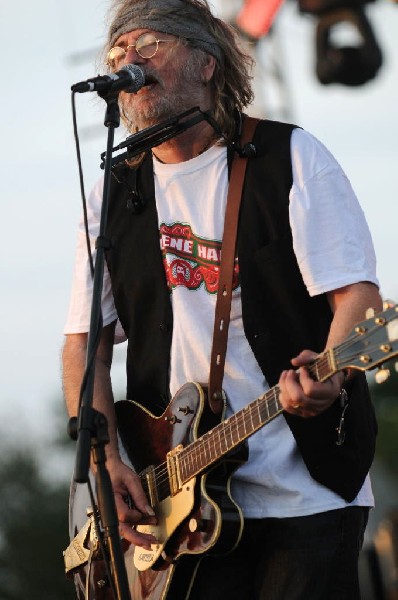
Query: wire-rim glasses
(146, 46)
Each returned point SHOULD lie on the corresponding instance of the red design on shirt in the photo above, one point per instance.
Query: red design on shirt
(190, 260)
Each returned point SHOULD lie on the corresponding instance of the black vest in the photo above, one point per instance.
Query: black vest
(280, 318)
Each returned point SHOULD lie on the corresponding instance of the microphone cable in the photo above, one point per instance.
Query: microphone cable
(81, 182)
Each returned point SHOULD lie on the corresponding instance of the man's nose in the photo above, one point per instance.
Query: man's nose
(132, 56)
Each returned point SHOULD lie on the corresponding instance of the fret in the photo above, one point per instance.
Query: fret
(243, 422)
(235, 427)
(210, 450)
(223, 440)
(182, 468)
(190, 465)
(265, 408)
(324, 366)
(223, 446)
(316, 371)
(218, 441)
(229, 433)
(321, 368)
(258, 404)
(253, 413)
(332, 366)
(254, 416)
(201, 454)
(195, 461)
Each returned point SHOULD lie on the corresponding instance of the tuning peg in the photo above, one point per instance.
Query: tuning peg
(370, 312)
(388, 304)
(382, 375)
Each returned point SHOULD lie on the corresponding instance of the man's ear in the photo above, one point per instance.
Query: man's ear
(208, 69)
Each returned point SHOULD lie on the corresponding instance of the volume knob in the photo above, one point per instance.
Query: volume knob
(197, 525)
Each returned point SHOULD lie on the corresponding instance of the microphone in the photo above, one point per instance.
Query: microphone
(130, 78)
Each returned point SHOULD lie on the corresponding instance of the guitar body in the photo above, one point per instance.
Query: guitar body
(199, 518)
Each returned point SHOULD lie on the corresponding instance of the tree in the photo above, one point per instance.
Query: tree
(385, 400)
(33, 531)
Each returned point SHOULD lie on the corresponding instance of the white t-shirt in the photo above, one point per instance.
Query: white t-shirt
(333, 246)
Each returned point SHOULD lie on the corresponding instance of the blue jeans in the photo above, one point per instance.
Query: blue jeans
(298, 558)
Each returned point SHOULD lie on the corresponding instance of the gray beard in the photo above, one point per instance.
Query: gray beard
(163, 108)
(184, 96)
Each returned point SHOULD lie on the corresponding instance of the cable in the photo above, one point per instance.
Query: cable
(81, 181)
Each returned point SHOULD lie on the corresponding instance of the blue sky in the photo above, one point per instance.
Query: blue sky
(40, 199)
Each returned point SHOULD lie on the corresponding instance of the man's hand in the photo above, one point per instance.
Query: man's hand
(131, 504)
(126, 484)
(301, 395)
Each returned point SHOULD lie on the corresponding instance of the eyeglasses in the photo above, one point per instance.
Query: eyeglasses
(146, 45)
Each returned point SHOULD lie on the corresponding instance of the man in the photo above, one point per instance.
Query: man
(306, 275)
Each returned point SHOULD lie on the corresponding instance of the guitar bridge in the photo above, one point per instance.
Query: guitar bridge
(173, 468)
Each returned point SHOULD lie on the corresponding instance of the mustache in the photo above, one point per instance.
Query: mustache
(151, 77)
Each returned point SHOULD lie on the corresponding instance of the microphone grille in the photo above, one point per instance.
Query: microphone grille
(137, 78)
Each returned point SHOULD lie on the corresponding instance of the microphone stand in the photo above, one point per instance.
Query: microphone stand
(92, 426)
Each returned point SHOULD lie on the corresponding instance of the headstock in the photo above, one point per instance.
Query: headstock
(372, 342)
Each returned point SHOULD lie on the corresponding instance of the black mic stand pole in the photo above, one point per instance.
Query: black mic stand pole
(91, 430)
(92, 426)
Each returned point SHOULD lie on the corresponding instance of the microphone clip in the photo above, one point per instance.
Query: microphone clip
(249, 150)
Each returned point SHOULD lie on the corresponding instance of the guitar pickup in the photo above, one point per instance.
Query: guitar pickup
(173, 468)
(149, 475)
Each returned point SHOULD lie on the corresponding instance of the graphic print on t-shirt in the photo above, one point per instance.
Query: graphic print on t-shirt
(191, 261)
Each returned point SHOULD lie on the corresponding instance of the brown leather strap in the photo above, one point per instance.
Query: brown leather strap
(225, 282)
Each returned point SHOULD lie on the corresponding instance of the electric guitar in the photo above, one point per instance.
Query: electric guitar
(187, 456)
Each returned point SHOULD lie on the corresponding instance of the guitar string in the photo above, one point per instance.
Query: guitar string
(369, 350)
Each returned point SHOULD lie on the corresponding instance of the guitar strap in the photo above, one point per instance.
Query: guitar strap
(228, 252)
